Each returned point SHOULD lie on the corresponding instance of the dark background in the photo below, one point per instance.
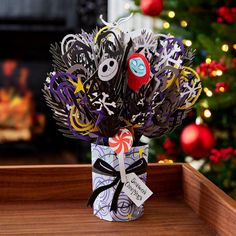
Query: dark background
(27, 28)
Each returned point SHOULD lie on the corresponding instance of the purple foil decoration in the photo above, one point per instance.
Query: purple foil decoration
(101, 100)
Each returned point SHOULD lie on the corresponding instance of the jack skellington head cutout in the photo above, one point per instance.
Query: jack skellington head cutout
(107, 69)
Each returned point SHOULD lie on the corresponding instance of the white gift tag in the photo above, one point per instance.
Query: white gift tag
(121, 159)
(136, 190)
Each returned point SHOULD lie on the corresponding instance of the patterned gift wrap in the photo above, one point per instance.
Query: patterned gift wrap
(126, 209)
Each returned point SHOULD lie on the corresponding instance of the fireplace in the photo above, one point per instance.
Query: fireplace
(28, 133)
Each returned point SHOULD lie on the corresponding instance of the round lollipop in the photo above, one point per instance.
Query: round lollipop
(120, 144)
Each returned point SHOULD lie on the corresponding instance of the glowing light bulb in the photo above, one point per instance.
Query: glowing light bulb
(166, 25)
(166, 161)
(171, 14)
(219, 72)
(213, 73)
(198, 120)
(209, 93)
(207, 113)
(208, 60)
(183, 23)
(234, 46)
(188, 43)
(225, 47)
(188, 159)
(222, 89)
(204, 104)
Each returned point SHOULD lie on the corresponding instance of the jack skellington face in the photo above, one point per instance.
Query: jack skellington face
(107, 69)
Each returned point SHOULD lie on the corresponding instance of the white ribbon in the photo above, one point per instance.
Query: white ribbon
(115, 23)
(121, 159)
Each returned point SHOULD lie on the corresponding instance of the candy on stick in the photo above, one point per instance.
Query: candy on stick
(121, 143)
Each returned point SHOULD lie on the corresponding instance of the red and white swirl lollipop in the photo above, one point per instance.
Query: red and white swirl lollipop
(120, 144)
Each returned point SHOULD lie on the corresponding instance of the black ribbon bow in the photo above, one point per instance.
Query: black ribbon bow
(101, 167)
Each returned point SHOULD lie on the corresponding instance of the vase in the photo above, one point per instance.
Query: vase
(109, 201)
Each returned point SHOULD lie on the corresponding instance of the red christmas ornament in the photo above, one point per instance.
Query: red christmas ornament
(138, 71)
(151, 7)
(197, 140)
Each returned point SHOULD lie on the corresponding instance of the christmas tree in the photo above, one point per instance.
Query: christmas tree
(207, 137)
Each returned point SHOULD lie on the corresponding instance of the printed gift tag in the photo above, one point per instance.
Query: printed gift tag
(136, 190)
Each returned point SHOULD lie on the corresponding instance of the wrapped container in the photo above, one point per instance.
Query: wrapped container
(126, 209)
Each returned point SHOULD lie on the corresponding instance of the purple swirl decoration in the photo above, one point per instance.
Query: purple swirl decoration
(127, 210)
(102, 209)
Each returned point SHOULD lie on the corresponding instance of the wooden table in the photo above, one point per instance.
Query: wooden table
(51, 200)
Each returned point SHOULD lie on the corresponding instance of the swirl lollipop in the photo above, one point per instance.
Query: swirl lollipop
(120, 144)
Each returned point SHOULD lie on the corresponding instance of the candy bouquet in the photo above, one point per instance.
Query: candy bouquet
(110, 87)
